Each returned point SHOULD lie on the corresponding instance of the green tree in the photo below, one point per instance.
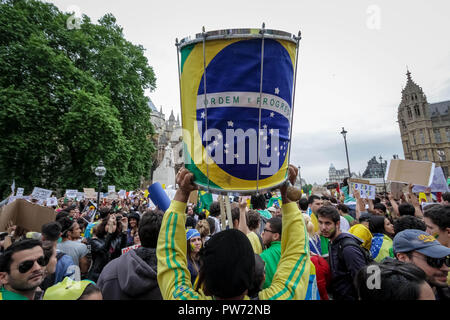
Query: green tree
(68, 98)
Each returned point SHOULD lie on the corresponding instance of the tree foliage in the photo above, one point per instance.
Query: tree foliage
(68, 98)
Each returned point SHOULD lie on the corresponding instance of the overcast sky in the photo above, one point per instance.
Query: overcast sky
(352, 63)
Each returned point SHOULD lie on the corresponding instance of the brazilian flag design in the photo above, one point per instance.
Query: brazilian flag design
(224, 142)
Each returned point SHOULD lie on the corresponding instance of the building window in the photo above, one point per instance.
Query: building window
(414, 137)
(447, 132)
(417, 155)
(408, 110)
(425, 152)
(407, 146)
(416, 110)
(437, 135)
(403, 124)
(422, 137)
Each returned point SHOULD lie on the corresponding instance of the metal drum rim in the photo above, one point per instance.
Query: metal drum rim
(240, 192)
(213, 35)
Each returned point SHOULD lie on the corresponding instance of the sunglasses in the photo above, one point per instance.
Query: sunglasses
(25, 266)
(438, 262)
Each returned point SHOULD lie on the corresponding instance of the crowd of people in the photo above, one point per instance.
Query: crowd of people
(328, 246)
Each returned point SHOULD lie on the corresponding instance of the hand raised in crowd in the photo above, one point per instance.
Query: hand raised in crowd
(185, 181)
(111, 226)
(292, 175)
(124, 222)
(243, 202)
(11, 227)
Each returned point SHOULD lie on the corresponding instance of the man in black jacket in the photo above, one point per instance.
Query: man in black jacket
(132, 276)
(346, 256)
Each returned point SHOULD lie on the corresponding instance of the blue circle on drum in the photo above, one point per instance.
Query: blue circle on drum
(233, 80)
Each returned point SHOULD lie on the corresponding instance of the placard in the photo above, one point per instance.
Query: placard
(125, 250)
(90, 193)
(52, 201)
(397, 189)
(122, 194)
(80, 196)
(111, 189)
(19, 192)
(25, 214)
(71, 193)
(438, 184)
(410, 171)
(366, 191)
(41, 194)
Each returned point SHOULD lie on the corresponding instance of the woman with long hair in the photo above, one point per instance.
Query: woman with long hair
(382, 230)
(194, 244)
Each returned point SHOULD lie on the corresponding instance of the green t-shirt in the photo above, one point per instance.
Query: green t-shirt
(271, 256)
(265, 213)
(9, 295)
(349, 218)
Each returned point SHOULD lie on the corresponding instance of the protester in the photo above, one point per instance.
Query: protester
(258, 203)
(70, 245)
(194, 244)
(203, 228)
(382, 230)
(423, 250)
(271, 237)
(133, 226)
(344, 212)
(132, 276)
(107, 243)
(22, 270)
(230, 255)
(346, 257)
(73, 290)
(363, 233)
(214, 214)
(65, 266)
(437, 221)
(408, 222)
(397, 281)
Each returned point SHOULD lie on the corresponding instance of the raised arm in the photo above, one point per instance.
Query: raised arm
(174, 278)
(242, 215)
(395, 213)
(290, 281)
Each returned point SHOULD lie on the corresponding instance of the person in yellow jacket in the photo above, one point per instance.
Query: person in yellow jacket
(228, 257)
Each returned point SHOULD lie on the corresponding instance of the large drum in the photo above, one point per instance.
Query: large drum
(237, 89)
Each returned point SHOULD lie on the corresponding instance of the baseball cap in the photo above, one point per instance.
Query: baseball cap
(418, 240)
(66, 290)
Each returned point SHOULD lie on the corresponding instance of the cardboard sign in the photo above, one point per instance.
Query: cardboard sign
(397, 188)
(19, 192)
(90, 193)
(71, 193)
(52, 202)
(125, 250)
(439, 184)
(410, 171)
(80, 196)
(111, 189)
(367, 191)
(25, 214)
(112, 196)
(41, 194)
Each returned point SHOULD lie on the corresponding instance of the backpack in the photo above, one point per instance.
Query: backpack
(351, 242)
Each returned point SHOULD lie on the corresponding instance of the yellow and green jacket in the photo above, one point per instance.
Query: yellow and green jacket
(290, 281)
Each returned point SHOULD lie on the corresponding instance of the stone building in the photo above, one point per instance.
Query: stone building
(338, 175)
(424, 126)
(167, 133)
(374, 169)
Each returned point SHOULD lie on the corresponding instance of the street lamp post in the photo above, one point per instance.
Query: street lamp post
(100, 172)
(384, 182)
(344, 134)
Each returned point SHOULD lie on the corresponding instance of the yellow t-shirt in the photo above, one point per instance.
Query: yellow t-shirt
(254, 240)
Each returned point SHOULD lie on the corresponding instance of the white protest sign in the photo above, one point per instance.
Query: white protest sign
(19, 192)
(52, 201)
(111, 189)
(71, 193)
(122, 194)
(367, 191)
(80, 196)
(125, 250)
(41, 194)
(89, 193)
(11, 199)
